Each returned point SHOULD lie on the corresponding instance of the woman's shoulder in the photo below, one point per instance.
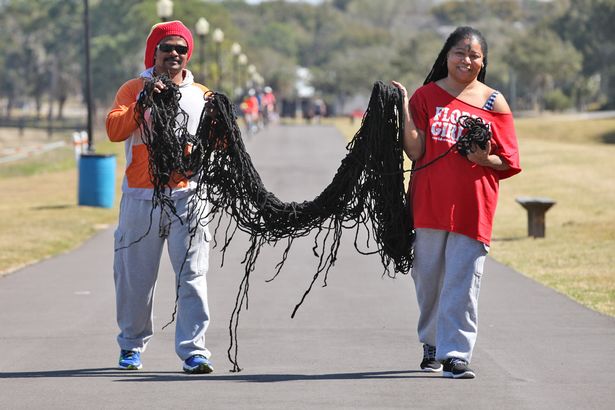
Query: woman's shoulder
(494, 100)
(427, 88)
(424, 91)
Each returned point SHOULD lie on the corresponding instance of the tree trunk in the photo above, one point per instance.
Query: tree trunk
(9, 107)
(50, 118)
(38, 101)
(61, 102)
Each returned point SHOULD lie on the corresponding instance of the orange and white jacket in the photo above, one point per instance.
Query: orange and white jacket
(122, 126)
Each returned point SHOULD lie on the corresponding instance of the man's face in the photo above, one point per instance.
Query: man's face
(171, 55)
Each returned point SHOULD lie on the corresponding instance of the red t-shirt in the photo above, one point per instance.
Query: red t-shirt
(454, 194)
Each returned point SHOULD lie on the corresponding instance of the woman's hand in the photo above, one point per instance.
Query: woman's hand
(480, 156)
(404, 92)
(483, 157)
(414, 140)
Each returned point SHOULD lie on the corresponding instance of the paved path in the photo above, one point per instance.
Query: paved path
(351, 345)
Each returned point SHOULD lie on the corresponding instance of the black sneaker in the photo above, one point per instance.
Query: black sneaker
(429, 363)
(457, 369)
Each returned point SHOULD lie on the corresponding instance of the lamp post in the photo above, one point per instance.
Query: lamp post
(88, 74)
(96, 183)
(235, 51)
(164, 9)
(251, 72)
(258, 80)
(202, 29)
(218, 37)
(242, 60)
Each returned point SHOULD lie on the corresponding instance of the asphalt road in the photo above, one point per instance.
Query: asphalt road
(352, 344)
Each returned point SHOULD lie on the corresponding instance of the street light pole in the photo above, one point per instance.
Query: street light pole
(218, 37)
(164, 9)
(235, 51)
(251, 72)
(202, 29)
(88, 76)
(242, 60)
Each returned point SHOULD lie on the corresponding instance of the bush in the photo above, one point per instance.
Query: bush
(556, 100)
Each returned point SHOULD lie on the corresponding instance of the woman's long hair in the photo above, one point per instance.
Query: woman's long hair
(440, 68)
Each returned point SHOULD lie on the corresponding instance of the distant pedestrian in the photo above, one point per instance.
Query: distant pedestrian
(320, 109)
(137, 257)
(250, 109)
(268, 106)
(453, 200)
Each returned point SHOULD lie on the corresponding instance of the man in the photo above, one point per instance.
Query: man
(137, 256)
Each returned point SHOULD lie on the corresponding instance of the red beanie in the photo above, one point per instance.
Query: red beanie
(162, 30)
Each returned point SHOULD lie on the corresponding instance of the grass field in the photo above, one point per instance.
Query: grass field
(39, 216)
(570, 161)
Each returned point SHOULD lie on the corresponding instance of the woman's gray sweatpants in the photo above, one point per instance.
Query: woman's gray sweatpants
(136, 266)
(447, 271)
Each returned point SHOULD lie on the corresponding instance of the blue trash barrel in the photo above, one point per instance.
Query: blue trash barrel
(97, 180)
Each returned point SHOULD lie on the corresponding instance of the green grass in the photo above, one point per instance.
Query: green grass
(40, 218)
(570, 161)
(60, 159)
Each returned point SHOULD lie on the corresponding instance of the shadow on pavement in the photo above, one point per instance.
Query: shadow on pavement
(144, 376)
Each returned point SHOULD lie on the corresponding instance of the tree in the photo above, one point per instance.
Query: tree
(118, 36)
(588, 25)
(353, 72)
(456, 13)
(416, 57)
(542, 62)
(64, 44)
(22, 36)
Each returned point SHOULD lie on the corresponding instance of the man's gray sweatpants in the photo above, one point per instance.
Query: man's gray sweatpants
(136, 264)
(447, 271)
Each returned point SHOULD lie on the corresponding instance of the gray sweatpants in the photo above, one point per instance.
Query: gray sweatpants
(136, 271)
(447, 272)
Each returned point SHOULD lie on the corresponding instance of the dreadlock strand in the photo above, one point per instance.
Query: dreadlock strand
(366, 191)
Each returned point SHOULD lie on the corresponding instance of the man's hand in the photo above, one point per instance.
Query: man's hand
(159, 87)
(210, 107)
(151, 87)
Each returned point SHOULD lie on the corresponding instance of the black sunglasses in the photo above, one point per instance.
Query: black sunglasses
(167, 48)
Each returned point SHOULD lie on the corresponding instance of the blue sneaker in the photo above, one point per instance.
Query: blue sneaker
(130, 360)
(198, 364)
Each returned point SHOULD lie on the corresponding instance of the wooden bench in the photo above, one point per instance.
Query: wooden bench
(536, 208)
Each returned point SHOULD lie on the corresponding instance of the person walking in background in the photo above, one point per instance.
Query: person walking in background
(453, 200)
(250, 109)
(320, 109)
(268, 106)
(137, 257)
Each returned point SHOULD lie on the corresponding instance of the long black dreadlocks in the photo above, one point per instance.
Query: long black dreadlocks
(170, 148)
(366, 193)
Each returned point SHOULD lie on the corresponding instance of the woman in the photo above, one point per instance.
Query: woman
(454, 198)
